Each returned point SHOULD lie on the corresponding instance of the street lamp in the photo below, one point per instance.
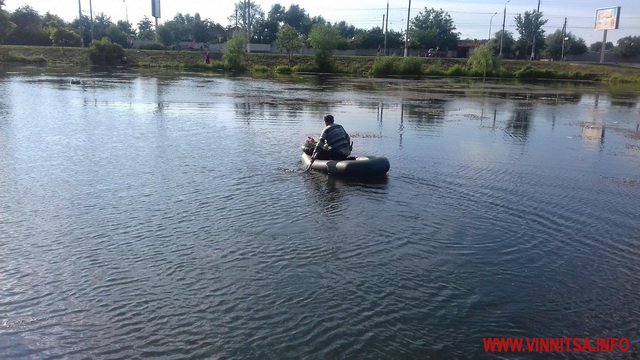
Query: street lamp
(490, 21)
(504, 17)
(406, 38)
(564, 38)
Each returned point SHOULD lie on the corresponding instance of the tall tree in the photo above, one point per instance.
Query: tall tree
(433, 28)
(145, 29)
(101, 23)
(597, 46)
(246, 14)
(323, 40)
(507, 43)
(628, 46)
(298, 19)
(529, 25)
(6, 26)
(29, 28)
(290, 40)
(276, 13)
(572, 45)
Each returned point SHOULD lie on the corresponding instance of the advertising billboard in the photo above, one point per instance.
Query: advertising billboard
(608, 18)
(155, 8)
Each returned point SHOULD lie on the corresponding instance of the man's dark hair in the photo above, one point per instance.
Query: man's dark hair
(328, 119)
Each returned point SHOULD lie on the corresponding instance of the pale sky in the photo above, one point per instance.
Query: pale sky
(472, 17)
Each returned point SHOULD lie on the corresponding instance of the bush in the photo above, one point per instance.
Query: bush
(260, 69)
(105, 53)
(385, 66)
(435, 69)
(234, 55)
(283, 69)
(483, 61)
(411, 66)
(457, 70)
(64, 37)
(153, 46)
(304, 68)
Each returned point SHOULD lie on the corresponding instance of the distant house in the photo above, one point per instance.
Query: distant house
(467, 47)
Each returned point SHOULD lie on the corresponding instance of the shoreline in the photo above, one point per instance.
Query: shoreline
(48, 56)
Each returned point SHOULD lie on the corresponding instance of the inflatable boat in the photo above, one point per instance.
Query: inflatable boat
(361, 166)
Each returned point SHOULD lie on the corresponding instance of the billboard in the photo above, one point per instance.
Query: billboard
(608, 18)
(155, 8)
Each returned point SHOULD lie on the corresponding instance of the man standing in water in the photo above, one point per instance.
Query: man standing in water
(334, 143)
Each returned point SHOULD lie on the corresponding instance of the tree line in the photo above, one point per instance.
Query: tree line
(291, 28)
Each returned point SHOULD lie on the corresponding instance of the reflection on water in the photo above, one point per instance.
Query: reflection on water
(150, 216)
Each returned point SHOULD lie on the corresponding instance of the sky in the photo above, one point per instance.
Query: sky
(473, 18)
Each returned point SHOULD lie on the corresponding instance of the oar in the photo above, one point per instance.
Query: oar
(311, 163)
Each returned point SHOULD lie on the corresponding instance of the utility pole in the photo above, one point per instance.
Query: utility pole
(406, 37)
(535, 33)
(80, 22)
(504, 18)
(386, 28)
(491, 21)
(248, 2)
(564, 34)
(91, 17)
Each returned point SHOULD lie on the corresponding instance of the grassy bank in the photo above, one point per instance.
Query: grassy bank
(360, 65)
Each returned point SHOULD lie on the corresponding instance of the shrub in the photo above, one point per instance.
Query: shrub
(105, 53)
(259, 69)
(152, 46)
(385, 66)
(304, 68)
(457, 70)
(435, 69)
(411, 66)
(283, 69)
(234, 55)
(483, 61)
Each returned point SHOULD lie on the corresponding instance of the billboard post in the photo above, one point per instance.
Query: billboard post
(155, 12)
(607, 19)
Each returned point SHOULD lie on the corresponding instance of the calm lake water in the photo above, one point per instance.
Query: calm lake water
(168, 217)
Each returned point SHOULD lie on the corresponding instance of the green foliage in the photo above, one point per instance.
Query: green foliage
(433, 28)
(283, 69)
(290, 40)
(385, 66)
(234, 55)
(323, 40)
(392, 65)
(508, 43)
(145, 29)
(260, 69)
(64, 37)
(29, 28)
(105, 53)
(6, 26)
(117, 36)
(628, 46)
(435, 69)
(572, 45)
(483, 62)
(597, 46)
(152, 46)
(301, 68)
(529, 25)
(457, 70)
(19, 58)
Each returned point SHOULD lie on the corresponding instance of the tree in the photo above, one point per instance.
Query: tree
(64, 37)
(126, 27)
(101, 23)
(298, 19)
(572, 45)
(433, 28)
(245, 16)
(234, 55)
(276, 13)
(483, 60)
(84, 26)
(529, 25)
(29, 28)
(104, 53)
(265, 31)
(117, 36)
(507, 43)
(145, 29)
(290, 40)
(6, 26)
(323, 40)
(597, 46)
(628, 46)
